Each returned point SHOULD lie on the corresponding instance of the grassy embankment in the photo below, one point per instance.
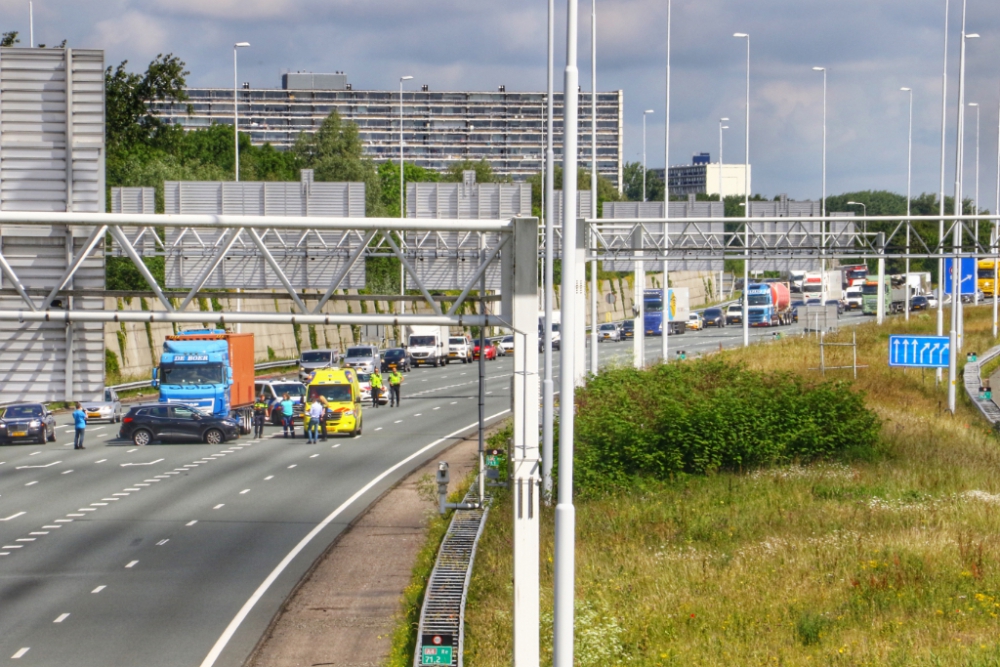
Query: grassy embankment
(887, 555)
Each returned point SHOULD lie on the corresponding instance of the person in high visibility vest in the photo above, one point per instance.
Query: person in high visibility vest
(376, 383)
(395, 379)
(259, 415)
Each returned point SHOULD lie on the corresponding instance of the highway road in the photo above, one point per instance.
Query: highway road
(180, 554)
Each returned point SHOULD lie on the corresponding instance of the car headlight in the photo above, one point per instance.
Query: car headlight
(3, 427)
(34, 423)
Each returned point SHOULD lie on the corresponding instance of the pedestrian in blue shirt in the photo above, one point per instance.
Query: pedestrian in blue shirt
(80, 424)
(288, 415)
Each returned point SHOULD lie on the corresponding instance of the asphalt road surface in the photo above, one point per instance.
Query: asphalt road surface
(180, 554)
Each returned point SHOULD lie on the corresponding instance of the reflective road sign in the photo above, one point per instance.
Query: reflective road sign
(967, 276)
(920, 351)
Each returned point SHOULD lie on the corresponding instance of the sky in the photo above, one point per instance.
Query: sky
(870, 48)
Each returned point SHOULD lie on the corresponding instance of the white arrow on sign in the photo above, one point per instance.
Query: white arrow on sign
(13, 516)
(895, 352)
(933, 350)
(124, 465)
(906, 350)
(922, 350)
(44, 466)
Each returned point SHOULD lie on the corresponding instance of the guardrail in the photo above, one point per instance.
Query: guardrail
(257, 367)
(972, 381)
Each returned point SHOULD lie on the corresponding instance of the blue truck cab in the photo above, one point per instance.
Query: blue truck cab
(195, 371)
(654, 309)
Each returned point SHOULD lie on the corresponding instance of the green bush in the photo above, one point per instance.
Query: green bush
(710, 415)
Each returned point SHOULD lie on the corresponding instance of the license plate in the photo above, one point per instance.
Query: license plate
(453, 354)
(19, 434)
(93, 414)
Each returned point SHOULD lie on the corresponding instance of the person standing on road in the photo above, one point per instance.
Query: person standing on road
(80, 425)
(316, 413)
(322, 422)
(259, 415)
(395, 380)
(376, 383)
(287, 415)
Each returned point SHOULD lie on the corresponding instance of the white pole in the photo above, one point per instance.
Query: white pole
(593, 181)
(975, 210)
(402, 187)
(954, 344)
(746, 204)
(565, 514)
(31, 25)
(644, 155)
(548, 390)
(941, 208)
(996, 233)
(909, 176)
(665, 317)
(823, 193)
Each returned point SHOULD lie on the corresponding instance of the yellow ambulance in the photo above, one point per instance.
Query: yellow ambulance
(340, 388)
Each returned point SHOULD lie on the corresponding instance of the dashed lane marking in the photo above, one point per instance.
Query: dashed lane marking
(131, 564)
(191, 523)
(20, 653)
(98, 589)
(162, 542)
(268, 477)
(61, 617)
(219, 505)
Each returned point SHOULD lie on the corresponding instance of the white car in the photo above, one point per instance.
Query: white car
(932, 299)
(695, 322)
(365, 383)
(459, 349)
(110, 408)
(506, 345)
(853, 298)
(609, 331)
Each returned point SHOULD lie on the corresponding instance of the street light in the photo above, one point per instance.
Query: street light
(975, 206)
(665, 266)
(644, 114)
(402, 192)
(823, 195)
(864, 213)
(909, 175)
(746, 201)
(236, 103)
(941, 208)
(721, 128)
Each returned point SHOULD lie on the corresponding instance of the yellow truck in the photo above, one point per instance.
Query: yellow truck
(985, 275)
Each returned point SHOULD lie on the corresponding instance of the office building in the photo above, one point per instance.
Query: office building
(440, 128)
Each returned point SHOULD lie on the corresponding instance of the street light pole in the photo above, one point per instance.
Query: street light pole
(746, 203)
(548, 388)
(402, 186)
(644, 113)
(823, 195)
(236, 104)
(909, 176)
(565, 514)
(996, 233)
(593, 181)
(941, 207)
(975, 210)
(665, 319)
(721, 128)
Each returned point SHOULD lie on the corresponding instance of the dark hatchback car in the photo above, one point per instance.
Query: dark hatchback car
(397, 357)
(27, 422)
(628, 329)
(919, 303)
(714, 317)
(167, 422)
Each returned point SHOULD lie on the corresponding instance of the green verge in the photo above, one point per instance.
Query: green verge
(889, 556)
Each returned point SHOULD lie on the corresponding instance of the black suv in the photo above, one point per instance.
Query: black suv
(628, 329)
(168, 421)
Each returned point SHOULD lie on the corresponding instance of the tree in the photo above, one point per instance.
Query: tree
(483, 169)
(9, 38)
(606, 191)
(129, 120)
(632, 183)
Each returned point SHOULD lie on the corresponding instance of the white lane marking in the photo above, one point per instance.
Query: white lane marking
(121, 494)
(14, 516)
(12, 546)
(64, 426)
(34, 453)
(398, 421)
(31, 483)
(76, 514)
(66, 472)
(39, 532)
(176, 470)
(87, 509)
(162, 542)
(219, 505)
(110, 498)
(335, 446)
(20, 653)
(64, 520)
(292, 466)
(234, 624)
(101, 461)
(51, 526)
(191, 523)
(150, 481)
(141, 484)
(98, 504)
(314, 456)
(44, 466)
(131, 488)
(124, 465)
(131, 564)
(4, 553)
(190, 465)
(61, 617)
(379, 428)
(269, 477)
(438, 407)
(98, 589)
(454, 403)
(418, 414)
(26, 539)
(134, 449)
(99, 428)
(161, 477)
(244, 491)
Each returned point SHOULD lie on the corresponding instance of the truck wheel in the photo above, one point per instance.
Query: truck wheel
(214, 437)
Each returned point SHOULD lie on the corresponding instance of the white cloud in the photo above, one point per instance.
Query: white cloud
(132, 32)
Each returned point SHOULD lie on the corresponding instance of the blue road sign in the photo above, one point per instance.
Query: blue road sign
(967, 278)
(919, 351)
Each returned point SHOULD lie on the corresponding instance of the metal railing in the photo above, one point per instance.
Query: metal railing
(973, 382)
(443, 611)
(257, 367)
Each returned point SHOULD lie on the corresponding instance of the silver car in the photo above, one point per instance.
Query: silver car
(609, 331)
(110, 408)
(313, 360)
(364, 358)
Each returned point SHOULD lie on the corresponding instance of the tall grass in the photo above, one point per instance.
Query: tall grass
(888, 560)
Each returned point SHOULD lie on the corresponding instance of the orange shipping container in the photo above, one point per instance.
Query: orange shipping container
(241, 360)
